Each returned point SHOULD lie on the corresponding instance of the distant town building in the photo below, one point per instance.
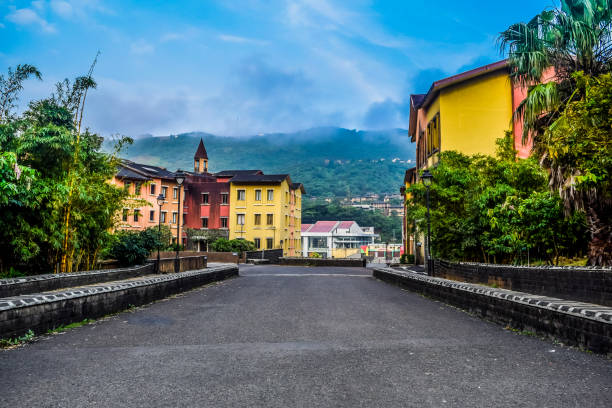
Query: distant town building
(336, 239)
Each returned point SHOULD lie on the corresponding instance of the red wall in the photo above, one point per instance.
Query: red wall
(195, 185)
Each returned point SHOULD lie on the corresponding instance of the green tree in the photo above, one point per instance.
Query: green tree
(566, 116)
(57, 169)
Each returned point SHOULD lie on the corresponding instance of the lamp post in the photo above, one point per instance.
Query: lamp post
(160, 201)
(427, 179)
(179, 177)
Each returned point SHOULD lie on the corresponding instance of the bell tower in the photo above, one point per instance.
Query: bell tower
(200, 160)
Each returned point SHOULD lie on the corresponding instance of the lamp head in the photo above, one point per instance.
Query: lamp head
(427, 178)
(160, 199)
(179, 176)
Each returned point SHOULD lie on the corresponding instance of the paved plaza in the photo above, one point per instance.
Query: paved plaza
(300, 337)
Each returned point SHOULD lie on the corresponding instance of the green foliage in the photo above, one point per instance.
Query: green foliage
(29, 336)
(315, 255)
(388, 227)
(56, 202)
(495, 210)
(133, 248)
(330, 162)
(234, 245)
(407, 259)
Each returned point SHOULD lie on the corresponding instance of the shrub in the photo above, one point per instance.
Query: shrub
(234, 245)
(315, 255)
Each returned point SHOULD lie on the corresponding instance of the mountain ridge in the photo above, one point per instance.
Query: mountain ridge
(331, 162)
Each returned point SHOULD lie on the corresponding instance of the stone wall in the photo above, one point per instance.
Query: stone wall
(348, 262)
(273, 255)
(223, 257)
(187, 263)
(590, 285)
(40, 313)
(573, 323)
(44, 283)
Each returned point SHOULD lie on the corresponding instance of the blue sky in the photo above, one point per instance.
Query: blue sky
(244, 67)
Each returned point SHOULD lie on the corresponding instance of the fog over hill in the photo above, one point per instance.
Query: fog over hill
(329, 161)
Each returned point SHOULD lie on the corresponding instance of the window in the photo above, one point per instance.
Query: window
(270, 219)
(152, 189)
(269, 243)
(126, 186)
(204, 222)
(174, 217)
(433, 135)
(240, 219)
(151, 215)
(241, 195)
(257, 243)
(136, 215)
(257, 219)
(137, 187)
(175, 193)
(163, 216)
(224, 197)
(257, 195)
(270, 195)
(164, 191)
(124, 215)
(204, 198)
(223, 222)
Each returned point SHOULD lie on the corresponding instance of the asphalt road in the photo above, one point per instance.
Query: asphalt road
(300, 337)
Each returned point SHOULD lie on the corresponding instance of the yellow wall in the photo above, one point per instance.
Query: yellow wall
(475, 113)
(285, 220)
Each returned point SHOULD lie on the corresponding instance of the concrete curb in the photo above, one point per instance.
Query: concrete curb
(574, 323)
(44, 311)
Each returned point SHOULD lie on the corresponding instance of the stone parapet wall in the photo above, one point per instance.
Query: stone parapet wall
(44, 283)
(273, 255)
(224, 257)
(592, 285)
(41, 312)
(187, 263)
(573, 323)
(348, 262)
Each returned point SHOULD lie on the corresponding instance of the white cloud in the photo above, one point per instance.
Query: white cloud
(62, 8)
(141, 47)
(240, 40)
(27, 16)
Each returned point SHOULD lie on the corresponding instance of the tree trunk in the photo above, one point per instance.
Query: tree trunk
(599, 218)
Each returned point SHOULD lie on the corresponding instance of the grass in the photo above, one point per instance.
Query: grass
(5, 343)
(63, 328)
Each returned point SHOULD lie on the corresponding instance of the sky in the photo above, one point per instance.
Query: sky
(245, 67)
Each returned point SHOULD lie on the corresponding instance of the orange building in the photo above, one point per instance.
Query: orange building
(144, 184)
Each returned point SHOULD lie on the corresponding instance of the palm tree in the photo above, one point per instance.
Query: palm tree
(571, 41)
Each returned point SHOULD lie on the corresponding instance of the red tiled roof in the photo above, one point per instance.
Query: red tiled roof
(323, 226)
(305, 227)
(346, 224)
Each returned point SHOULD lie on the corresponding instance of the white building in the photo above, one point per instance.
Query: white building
(336, 239)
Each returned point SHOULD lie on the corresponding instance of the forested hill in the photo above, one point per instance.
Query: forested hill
(329, 161)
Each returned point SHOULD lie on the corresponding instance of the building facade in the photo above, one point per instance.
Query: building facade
(467, 113)
(145, 183)
(234, 204)
(267, 210)
(336, 239)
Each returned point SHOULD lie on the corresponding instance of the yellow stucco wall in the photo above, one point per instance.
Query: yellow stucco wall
(475, 113)
(285, 219)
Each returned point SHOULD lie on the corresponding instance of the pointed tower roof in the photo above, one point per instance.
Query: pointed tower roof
(201, 152)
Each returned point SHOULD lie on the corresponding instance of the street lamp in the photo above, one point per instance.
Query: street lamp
(427, 179)
(160, 201)
(179, 177)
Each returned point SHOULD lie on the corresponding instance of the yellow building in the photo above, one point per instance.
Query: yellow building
(267, 210)
(467, 112)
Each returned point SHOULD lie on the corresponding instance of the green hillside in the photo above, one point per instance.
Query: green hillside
(329, 161)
